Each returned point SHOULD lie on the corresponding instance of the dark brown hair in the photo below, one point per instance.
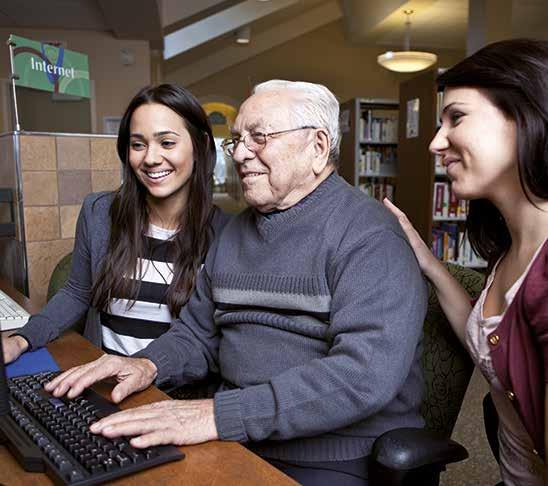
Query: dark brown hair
(514, 75)
(129, 212)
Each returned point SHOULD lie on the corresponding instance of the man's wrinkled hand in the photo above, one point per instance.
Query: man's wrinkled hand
(176, 422)
(132, 374)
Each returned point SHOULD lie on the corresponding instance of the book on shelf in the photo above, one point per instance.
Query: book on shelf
(378, 189)
(379, 160)
(375, 127)
(445, 240)
(446, 205)
(450, 244)
(452, 209)
(467, 257)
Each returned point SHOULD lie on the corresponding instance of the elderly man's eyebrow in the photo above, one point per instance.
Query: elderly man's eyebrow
(252, 127)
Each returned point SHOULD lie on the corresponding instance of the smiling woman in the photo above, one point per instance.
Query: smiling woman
(161, 156)
(494, 142)
(138, 250)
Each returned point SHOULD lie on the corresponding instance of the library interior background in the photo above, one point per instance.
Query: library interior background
(219, 49)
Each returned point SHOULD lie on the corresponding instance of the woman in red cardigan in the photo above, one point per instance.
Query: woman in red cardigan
(493, 140)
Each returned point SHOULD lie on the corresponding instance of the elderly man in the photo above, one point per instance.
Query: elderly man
(310, 304)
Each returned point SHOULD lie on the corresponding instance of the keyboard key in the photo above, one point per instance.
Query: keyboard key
(122, 446)
(73, 448)
(134, 455)
(74, 475)
(110, 465)
(58, 459)
(56, 403)
(150, 453)
(122, 460)
(97, 468)
(42, 442)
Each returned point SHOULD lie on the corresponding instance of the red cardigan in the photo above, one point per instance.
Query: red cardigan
(519, 349)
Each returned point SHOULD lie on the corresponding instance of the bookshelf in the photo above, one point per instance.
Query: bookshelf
(369, 156)
(424, 190)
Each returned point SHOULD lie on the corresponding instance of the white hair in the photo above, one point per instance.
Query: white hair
(318, 108)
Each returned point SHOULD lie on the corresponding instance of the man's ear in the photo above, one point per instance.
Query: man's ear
(322, 145)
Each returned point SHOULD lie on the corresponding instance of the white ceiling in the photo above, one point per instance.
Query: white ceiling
(441, 24)
(73, 14)
(126, 19)
(435, 23)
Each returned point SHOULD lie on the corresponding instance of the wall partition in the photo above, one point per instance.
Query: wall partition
(44, 178)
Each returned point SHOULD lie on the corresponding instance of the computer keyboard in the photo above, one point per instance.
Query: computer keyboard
(59, 441)
(12, 315)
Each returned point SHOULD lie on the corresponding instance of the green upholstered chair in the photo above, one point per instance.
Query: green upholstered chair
(59, 275)
(58, 278)
(417, 456)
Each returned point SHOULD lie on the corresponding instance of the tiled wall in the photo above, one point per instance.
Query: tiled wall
(58, 172)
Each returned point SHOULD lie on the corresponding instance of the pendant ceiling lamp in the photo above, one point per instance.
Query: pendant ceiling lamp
(407, 61)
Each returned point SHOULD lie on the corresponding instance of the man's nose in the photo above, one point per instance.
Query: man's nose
(440, 142)
(242, 153)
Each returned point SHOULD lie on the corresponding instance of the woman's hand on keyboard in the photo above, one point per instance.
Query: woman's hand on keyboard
(14, 346)
(132, 374)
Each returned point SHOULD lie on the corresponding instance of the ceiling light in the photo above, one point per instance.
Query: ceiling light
(407, 61)
(243, 35)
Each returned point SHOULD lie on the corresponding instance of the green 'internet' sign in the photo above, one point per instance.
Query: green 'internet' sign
(50, 68)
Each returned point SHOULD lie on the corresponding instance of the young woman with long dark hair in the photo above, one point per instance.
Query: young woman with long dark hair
(494, 142)
(138, 249)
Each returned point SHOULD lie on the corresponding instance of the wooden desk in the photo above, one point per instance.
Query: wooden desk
(213, 463)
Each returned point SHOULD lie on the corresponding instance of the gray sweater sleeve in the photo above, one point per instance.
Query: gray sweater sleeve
(189, 349)
(72, 301)
(377, 311)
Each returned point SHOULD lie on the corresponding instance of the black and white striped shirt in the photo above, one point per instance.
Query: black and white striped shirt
(128, 330)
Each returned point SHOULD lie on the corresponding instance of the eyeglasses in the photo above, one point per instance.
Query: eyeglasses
(254, 141)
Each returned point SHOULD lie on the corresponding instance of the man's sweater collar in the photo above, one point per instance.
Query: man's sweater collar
(268, 221)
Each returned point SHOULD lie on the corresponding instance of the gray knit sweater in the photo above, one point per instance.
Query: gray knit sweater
(72, 302)
(313, 316)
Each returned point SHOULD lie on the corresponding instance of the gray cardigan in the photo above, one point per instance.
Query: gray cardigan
(72, 301)
(313, 315)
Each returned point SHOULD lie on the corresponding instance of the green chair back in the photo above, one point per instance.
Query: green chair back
(446, 364)
(59, 275)
(58, 278)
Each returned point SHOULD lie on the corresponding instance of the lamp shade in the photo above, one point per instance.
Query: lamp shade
(406, 61)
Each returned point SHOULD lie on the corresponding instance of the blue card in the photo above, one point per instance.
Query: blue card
(32, 362)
